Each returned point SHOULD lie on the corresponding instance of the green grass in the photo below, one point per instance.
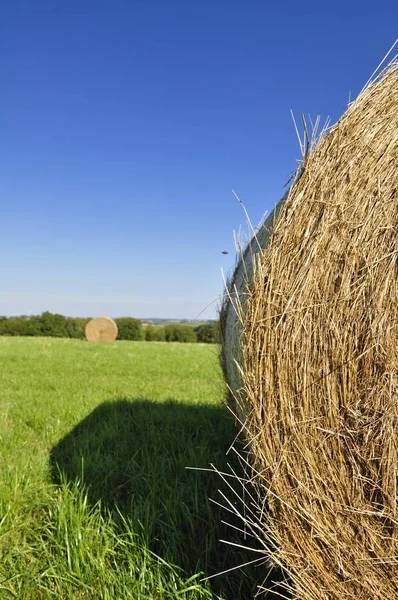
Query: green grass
(95, 497)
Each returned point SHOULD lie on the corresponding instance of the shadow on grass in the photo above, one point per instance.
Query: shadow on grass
(132, 455)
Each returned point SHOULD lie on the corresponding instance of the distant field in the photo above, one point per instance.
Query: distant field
(175, 322)
(95, 497)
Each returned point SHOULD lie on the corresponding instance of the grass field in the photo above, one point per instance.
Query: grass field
(95, 497)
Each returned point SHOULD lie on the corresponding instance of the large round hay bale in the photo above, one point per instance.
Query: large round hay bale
(234, 306)
(101, 329)
(313, 327)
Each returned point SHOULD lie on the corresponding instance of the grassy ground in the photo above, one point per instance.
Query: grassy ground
(95, 497)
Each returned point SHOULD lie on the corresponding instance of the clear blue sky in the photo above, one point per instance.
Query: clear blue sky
(124, 125)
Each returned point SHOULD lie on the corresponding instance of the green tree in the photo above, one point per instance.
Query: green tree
(76, 327)
(10, 326)
(154, 333)
(49, 325)
(180, 333)
(208, 333)
(129, 329)
(15, 326)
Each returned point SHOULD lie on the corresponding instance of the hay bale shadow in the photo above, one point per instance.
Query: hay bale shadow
(132, 457)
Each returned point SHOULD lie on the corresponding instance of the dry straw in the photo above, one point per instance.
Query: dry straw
(317, 350)
(101, 329)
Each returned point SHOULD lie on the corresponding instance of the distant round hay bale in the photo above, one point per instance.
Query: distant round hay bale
(311, 357)
(101, 329)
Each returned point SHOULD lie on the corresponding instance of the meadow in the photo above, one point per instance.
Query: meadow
(96, 500)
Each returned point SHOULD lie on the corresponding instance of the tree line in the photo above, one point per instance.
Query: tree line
(54, 325)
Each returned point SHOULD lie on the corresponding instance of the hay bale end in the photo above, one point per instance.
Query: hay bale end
(101, 329)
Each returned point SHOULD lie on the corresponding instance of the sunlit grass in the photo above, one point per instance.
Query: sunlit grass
(95, 497)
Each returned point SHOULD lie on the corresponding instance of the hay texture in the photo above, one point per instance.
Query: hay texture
(101, 329)
(317, 361)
